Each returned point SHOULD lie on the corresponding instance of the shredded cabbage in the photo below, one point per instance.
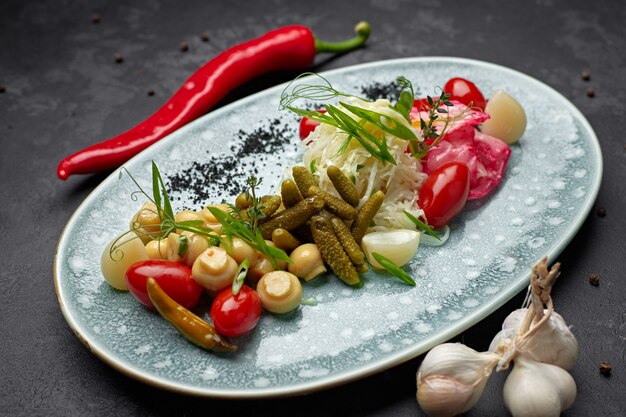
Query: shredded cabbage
(327, 146)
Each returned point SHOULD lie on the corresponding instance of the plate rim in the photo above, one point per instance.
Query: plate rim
(380, 365)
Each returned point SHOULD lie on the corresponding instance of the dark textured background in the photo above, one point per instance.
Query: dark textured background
(64, 91)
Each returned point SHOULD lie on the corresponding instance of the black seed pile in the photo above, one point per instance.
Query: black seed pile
(390, 91)
(220, 175)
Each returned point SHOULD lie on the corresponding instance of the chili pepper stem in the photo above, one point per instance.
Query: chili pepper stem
(362, 30)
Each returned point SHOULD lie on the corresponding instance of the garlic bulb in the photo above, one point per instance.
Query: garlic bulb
(451, 379)
(535, 389)
(553, 342)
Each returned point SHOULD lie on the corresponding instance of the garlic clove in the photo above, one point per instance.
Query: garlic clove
(452, 377)
(553, 342)
(399, 246)
(507, 118)
(442, 396)
(535, 389)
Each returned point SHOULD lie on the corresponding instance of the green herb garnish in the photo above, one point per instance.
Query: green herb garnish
(183, 243)
(422, 226)
(232, 226)
(394, 269)
(240, 276)
(406, 99)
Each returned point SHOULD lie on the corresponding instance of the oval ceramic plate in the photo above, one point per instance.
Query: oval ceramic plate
(551, 183)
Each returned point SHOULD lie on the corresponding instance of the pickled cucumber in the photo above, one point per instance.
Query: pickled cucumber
(290, 193)
(343, 185)
(284, 240)
(365, 216)
(292, 217)
(332, 251)
(304, 180)
(348, 243)
(334, 205)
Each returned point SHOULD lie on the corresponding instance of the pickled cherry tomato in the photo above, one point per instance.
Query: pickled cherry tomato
(465, 91)
(235, 315)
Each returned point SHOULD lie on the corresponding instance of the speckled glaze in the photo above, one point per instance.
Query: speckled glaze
(551, 183)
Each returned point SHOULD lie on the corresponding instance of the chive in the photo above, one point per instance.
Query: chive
(183, 243)
(394, 269)
(240, 276)
(422, 226)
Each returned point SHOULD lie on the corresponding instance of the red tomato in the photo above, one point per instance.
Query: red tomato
(174, 278)
(444, 193)
(234, 315)
(465, 91)
(308, 125)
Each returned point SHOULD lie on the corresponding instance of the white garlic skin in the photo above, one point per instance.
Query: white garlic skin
(535, 389)
(553, 343)
(452, 378)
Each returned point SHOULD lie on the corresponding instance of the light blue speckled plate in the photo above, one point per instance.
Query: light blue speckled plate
(552, 181)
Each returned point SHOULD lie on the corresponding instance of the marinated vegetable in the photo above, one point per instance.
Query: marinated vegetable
(192, 327)
(304, 180)
(332, 252)
(292, 217)
(366, 214)
(290, 193)
(173, 278)
(235, 315)
(333, 204)
(214, 269)
(284, 240)
(306, 262)
(346, 189)
(347, 241)
(279, 291)
(118, 255)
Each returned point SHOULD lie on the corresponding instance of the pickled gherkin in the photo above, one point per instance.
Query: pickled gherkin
(243, 201)
(348, 243)
(270, 204)
(334, 205)
(366, 214)
(284, 240)
(292, 217)
(304, 180)
(290, 193)
(346, 189)
(332, 251)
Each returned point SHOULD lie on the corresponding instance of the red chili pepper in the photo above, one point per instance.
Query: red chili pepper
(287, 48)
